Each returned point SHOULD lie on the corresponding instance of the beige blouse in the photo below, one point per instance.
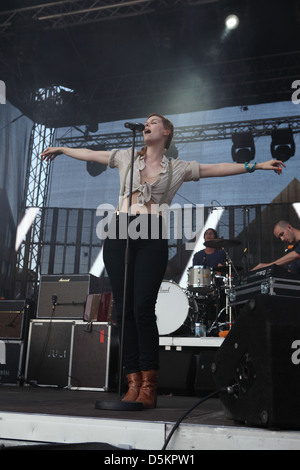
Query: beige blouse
(182, 171)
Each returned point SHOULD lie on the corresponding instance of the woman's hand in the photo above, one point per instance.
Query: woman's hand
(51, 152)
(275, 165)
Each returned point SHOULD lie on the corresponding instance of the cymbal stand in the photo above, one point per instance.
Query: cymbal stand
(218, 314)
(230, 265)
(246, 223)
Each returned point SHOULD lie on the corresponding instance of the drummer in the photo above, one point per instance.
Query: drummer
(209, 257)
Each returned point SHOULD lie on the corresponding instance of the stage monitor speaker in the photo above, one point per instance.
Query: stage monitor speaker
(13, 319)
(64, 296)
(260, 357)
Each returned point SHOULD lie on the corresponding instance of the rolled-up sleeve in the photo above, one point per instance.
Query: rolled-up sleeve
(192, 171)
(113, 160)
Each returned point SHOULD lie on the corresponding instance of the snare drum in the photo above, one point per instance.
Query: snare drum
(172, 308)
(200, 279)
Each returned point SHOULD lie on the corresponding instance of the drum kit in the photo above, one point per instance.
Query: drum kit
(204, 301)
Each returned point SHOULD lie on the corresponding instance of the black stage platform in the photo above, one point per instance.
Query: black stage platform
(39, 417)
(81, 403)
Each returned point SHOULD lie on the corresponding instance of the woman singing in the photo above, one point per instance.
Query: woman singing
(155, 182)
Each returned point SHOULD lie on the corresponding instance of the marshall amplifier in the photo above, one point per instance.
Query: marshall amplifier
(64, 296)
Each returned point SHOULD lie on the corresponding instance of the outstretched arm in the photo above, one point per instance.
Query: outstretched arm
(230, 169)
(100, 156)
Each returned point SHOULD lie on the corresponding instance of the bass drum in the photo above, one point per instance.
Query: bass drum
(172, 308)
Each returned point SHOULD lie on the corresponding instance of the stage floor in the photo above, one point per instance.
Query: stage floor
(31, 416)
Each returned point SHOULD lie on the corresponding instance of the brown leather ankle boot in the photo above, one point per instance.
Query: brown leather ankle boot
(148, 390)
(134, 385)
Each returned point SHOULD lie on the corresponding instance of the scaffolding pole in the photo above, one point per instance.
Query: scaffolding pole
(36, 192)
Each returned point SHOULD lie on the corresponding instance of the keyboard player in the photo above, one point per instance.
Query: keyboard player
(290, 235)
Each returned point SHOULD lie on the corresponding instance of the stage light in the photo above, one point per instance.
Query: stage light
(95, 168)
(232, 21)
(282, 144)
(172, 151)
(243, 149)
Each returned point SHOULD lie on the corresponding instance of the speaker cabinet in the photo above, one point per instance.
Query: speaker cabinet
(94, 361)
(64, 297)
(49, 352)
(261, 358)
(13, 319)
(74, 354)
(11, 362)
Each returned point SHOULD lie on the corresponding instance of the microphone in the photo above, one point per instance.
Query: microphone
(134, 126)
(244, 252)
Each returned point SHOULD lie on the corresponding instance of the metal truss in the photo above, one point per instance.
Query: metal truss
(66, 13)
(195, 87)
(36, 190)
(176, 90)
(186, 134)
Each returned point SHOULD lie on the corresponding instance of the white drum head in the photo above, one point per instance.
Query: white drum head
(172, 308)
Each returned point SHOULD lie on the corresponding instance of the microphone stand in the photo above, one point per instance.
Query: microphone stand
(246, 235)
(123, 405)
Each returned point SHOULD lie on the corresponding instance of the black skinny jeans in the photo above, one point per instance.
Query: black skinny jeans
(148, 260)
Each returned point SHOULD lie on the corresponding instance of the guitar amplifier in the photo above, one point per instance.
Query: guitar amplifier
(13, 319)
(64, 296)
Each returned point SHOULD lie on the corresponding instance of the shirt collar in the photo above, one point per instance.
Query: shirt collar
(141, 163)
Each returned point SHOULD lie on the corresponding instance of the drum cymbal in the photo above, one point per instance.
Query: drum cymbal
(225, 269)
(222, 243)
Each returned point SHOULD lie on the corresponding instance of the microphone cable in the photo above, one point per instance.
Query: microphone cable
(228, 390)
